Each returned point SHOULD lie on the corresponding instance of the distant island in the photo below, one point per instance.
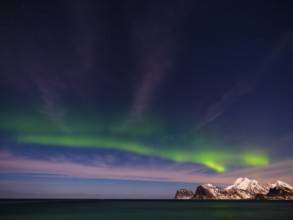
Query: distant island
(241, 189)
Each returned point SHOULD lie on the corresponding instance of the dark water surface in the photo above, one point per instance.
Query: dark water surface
(144, 209)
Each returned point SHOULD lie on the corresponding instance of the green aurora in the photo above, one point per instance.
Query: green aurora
(142, 138)
(216, 160)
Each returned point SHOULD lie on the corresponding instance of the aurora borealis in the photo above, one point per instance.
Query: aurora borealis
(131, 99)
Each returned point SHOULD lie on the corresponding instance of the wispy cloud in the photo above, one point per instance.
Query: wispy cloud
(156, 43)
(228, 98)
(100, 169)
(45, 64)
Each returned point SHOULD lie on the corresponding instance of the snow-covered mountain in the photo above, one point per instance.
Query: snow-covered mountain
(252, 186)
(242, 188)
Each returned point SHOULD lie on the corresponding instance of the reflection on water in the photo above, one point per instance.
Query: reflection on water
(104, 209)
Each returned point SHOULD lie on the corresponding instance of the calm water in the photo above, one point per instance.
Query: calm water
(163, 210)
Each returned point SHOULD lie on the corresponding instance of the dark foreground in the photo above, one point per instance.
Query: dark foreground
(144, 209)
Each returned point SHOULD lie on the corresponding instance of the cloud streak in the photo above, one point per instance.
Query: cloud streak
(243, 87)
(226, 100)
(100, 169)
(65, 168)
(156, 41)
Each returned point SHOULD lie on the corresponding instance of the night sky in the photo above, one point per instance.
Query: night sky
(136, 99)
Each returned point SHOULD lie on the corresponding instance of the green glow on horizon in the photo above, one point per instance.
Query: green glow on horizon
(216, 160)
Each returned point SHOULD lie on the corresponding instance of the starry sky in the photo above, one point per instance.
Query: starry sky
(136, 99)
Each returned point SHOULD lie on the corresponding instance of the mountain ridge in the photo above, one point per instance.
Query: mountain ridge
(241, 189)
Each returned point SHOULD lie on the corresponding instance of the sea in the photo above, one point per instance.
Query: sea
(144, 210)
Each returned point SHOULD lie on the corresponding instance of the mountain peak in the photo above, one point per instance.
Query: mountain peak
(244, 184)
(279, 184)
